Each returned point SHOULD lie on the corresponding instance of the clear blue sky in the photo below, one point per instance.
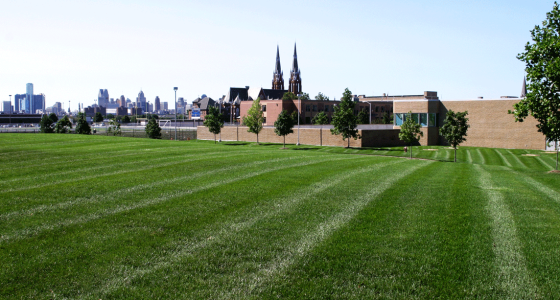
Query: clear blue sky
(71, 49)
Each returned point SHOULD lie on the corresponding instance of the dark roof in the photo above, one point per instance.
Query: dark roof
(274, 94)
(205, 102)
(233, 92)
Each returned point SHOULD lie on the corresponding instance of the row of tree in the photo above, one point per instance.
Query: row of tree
(51, 124)
(344, 121)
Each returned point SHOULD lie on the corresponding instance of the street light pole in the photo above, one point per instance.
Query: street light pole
(175, 89)
(10, 110)
(222, 119)
(369, 110)
(299, 117)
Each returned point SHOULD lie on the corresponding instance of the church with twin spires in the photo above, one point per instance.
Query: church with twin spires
(294, 84)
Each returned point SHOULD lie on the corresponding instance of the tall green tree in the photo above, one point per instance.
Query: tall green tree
(321, 96)
(153, 130)
(46, 124)
(98, 117)
(214, 120)
(63, 125)
(321, 119)
(363, 117)
(542, 58)
(289, 96)
(53, 117)
(304, 96)
(284, 125)
(344, 120)
(454, 128)
(82, 126)
(114, 127)
(125, 119)
(387, 118)
(410, 131)
(255, 118)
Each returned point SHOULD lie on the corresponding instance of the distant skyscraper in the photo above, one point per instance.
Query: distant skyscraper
(157, 104)
(103, 98)
(141, 101)
(122, 101)
(18, 102)
(7, 107)
(28, 102)
(165, 107)
(38, 103)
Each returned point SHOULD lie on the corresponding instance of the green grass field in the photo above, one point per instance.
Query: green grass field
(96, 217)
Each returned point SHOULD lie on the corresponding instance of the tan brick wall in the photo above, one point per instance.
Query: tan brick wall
(419, 106)
(492, 126)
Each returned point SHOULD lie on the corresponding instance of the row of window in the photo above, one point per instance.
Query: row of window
(327, 108)
(424, 119)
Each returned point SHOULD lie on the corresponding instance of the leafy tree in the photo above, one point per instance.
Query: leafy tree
(110, 116)
(387, 118)
(320, 96)
(283, 125)
(133, 119)
(294, 116)
(125, 119)
(46, 124)
(53, 117)
(63, 125)
(289, 96)
(454, 128)
(214, 120)
(82, 126)
(344, 120)
(410, 131)
(304, 96)
(255, 118)
(543, 75)
(98, 117)
(321, 119)
(363, 117)
(114, 127)
(153, 130)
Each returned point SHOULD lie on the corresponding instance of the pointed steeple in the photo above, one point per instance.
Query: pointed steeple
(278, 68)
(295, 64)
(524, 88)
(295, 78)
(278, 75)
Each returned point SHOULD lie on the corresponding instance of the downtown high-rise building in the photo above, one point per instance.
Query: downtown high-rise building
(165, 106)
(7, 107)
(29, 103)
(103, 98)
(141, 101)
(157, 105)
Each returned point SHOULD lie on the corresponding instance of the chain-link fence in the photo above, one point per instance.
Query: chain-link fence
(139, 132)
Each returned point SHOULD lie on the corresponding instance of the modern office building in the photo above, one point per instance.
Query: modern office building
(103, 98)
(141, 101)
(157, 104)
(28, 102)
(165, 106)
(7, 107)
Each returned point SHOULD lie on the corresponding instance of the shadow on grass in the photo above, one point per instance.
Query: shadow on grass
(236, 144)
(305, 149)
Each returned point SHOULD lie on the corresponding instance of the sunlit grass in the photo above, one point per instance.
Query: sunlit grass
(96, 217)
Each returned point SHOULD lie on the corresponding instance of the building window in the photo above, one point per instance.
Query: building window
(264, 120)
(399, 119)
(382, 108)
(307, 108)
(314, 107)
(264, 108)
(377, 109)
(423, 120)
(307, 120)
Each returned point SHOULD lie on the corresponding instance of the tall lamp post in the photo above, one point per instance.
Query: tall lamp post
(220, 115)
(299, 117)
(10, 110)
(175, 89)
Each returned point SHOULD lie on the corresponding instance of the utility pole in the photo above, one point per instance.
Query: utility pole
(175, 89)
(10, 110)
(299, 117)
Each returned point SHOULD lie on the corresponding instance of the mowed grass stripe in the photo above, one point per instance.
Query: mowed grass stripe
(106, 174)
(519, 162)
(503, 158)
(116, 195)
(512, 275)
(247, 284)
(28, 232)
(233, 229)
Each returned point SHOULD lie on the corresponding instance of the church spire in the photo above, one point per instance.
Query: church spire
(278, 75)
(295, 78)
(524, 88)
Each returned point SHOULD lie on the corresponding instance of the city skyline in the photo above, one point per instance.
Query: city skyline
(462, 50)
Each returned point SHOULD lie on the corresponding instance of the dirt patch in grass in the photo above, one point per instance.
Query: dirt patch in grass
(430, 149)
(554, 171)
(549, 152)
(530, 155)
